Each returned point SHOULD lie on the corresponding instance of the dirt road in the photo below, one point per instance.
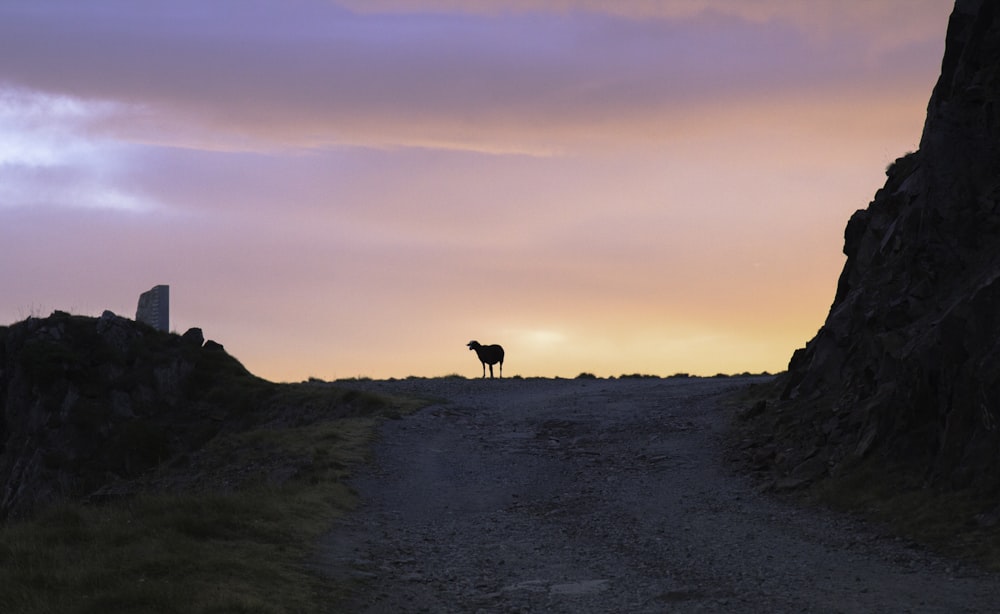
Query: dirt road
(607, 496)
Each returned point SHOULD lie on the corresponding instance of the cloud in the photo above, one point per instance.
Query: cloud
(52, 152)
(886, 25)
(539, 79)
(898, 21)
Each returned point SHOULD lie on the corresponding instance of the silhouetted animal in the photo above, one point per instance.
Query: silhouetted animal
(488, 355)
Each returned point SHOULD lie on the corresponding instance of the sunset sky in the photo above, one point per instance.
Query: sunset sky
(338, 189)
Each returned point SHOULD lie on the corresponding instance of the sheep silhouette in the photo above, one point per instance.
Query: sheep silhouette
(488, 355)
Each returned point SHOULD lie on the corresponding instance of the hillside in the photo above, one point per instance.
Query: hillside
(91, 407)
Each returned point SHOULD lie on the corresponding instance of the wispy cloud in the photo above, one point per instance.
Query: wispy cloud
(271, 75)
(53, 152)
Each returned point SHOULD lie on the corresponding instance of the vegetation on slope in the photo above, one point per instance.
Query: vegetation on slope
(217, 484)
(783, 444)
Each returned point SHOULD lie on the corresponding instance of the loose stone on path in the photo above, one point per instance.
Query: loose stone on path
(582, 496)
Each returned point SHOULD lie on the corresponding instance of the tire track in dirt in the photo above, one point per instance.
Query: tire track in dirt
(606, 496)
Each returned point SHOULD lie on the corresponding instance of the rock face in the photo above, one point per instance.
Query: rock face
(907, 364)
(88, 401)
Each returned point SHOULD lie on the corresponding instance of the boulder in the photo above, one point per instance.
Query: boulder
(193, 336)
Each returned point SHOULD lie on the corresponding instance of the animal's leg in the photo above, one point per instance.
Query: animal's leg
(484, 370)
(491, 371)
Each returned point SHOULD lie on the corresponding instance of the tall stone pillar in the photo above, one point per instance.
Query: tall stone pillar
(154, 308)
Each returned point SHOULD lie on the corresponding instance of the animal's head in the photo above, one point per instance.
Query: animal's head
(473, 345)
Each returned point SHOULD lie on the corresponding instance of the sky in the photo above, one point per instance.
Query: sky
(358, 188)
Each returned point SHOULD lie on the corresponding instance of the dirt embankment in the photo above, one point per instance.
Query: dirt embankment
(601, 496)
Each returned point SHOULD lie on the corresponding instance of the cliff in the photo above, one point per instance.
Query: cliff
(906, 369)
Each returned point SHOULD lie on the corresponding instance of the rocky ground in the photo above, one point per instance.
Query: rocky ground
(607, 496)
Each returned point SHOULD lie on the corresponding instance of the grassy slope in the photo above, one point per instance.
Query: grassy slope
(233, 532)
(963, 524)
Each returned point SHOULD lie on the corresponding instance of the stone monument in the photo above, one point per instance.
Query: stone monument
(154, 308)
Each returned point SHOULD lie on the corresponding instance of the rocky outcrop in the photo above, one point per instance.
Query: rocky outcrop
(907, 364)
(88, 401)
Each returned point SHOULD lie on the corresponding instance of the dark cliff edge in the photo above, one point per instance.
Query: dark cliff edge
(903, 378)
(91, 406)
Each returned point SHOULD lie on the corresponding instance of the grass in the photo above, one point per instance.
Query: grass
(224, 553)
(239, 540)
(963, 524)
(948, 521)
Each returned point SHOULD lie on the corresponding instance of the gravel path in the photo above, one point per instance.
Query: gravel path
(606, 496)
